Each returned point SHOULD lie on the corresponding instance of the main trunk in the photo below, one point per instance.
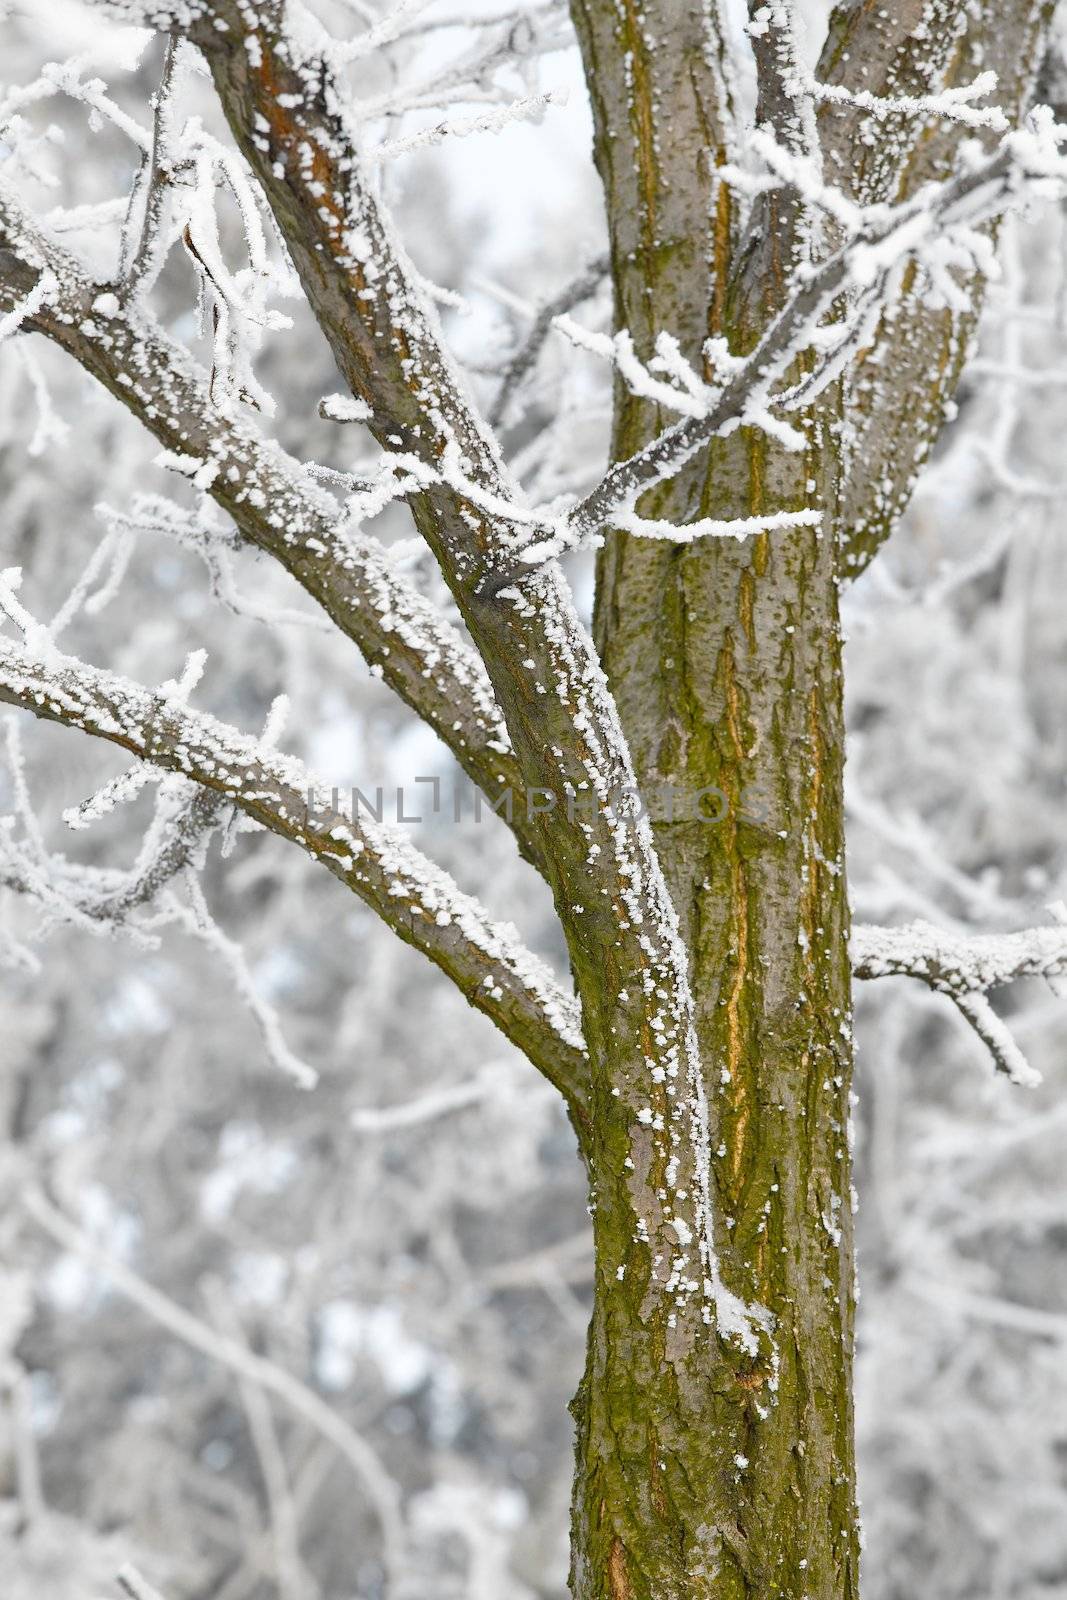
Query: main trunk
(710, 1469)
(708, 1463)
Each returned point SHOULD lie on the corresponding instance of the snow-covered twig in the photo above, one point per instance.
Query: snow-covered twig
(419, 901)
(966, 967)
(132, 1584)
(949, 105)
(526, 106)
(884, 237)
(27, 308)
(143, 247)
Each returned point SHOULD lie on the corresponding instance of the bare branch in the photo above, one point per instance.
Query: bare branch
(583, 287)
(273, 502)
(417, 900)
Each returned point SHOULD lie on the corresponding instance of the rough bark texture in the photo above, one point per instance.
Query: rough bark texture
(703, 1470)
(714, 1420)
(900, 390)
(716, 1472)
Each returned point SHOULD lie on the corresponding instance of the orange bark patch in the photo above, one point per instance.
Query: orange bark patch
(617, 1574)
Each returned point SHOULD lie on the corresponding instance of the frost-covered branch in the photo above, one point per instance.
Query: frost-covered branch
(135, 1586)
(950, 105)
(529, 105)
(185, 817)
(896, 405)
(581, 288)
(417, 900)
(144, 241)
(289, 113)
(274, 503)
(884, 238)
(966, 967)
(773, 30)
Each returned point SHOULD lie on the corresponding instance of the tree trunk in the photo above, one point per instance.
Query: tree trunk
(708, 1465)
(719, 1472)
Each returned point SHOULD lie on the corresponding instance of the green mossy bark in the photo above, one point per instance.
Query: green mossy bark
(715, 1473)
(704, 1470)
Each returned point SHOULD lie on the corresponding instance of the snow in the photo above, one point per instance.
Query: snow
(509, 528)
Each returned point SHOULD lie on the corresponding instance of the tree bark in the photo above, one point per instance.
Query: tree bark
(704, 1467)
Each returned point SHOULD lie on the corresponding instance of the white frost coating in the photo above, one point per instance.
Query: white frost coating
(376, 860)
(138, 1588)
(119, 791)
(940, 227)
(343, 408)
(950, 105)
(710, 528)
(965, 968)
(39, 295)
(528, 106)
(687, 394)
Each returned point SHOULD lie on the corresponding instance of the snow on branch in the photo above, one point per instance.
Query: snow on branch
(275, 503)
(940, 227)
(137, 903)
(24, 310)
(134, 1586)
(144, 240)
(950, 105)
(419, 901)
(388, 343)
(532, 106)
(966, 967)
(773, 29)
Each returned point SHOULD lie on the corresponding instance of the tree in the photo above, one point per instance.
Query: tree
(793, 305)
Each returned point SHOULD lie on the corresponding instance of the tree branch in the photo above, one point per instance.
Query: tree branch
(897, 391)
(883, 237)
(286, 109)
(274, 504)
(773, 31)
(421, 903)
(966, 968)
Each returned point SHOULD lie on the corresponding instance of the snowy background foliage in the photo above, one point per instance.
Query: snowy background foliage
(404, 1249)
